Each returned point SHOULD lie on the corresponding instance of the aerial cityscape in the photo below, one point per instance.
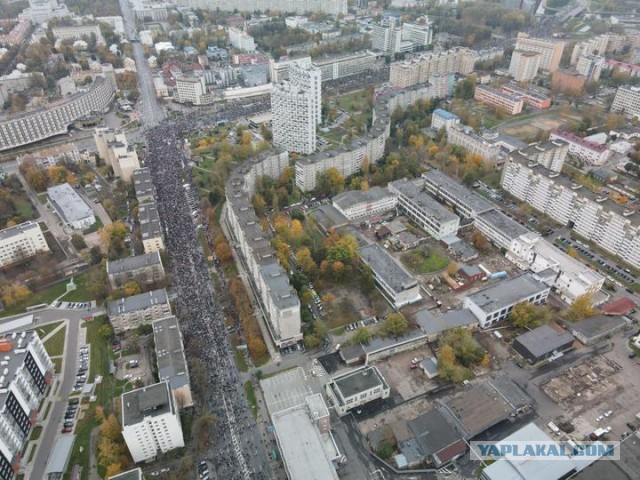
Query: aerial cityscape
(319, 239)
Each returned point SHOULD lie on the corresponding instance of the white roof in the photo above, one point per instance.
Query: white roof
(69, 203)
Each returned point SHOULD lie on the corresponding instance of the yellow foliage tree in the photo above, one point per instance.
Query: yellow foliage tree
(131, 288)
(113, 469)
(14, 292)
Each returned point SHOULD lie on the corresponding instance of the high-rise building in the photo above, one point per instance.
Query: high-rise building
(296, 104)
(627, 101)
(241, 40)
(27, 372)
(331, 7)
(524, 65)
(599, 45)
(550, 50)
(390, 37)
(190, 90)
(150, 421)
(590, 66)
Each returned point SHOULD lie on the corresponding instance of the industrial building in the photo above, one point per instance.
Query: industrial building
(599, 327)
(542, 343)
(356, 388)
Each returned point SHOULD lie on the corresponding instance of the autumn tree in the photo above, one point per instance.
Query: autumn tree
(223, 250)
(306, 262)
(396, 324)
(203, 429)
(14, 292)
(459, 351)
(582, 307)
(256, 346)
(112, 237)
(528, 315)
(131, 288)
(330, 182)
(452, 269)
(480, 241)
(362, 335)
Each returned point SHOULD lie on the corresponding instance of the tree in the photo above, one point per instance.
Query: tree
(582, 307)
(223, 251)
(573, 253)
(78, 241)
(259, 204)
(528, 315)
(480, 241)
(452, 269)
(14, 293)
(202, 429)
(106, 331)
(362, 335)
(396, 324)
(256, 345)
(131, 288)
(385, 450)
(311, 341)
(330, 182)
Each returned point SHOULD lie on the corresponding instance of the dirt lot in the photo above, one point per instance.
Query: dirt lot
(351, 304)
(406, 411)
(406, 382)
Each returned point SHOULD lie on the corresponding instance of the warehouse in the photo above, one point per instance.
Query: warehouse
(542, 343)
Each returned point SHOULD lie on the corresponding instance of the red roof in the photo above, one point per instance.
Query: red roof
(450, 452)
(621, 306)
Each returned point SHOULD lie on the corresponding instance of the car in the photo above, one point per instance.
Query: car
(127, 376)
(68, 425)
(599, 418)
(74, 401)
(165, 470)
(415, 360)
(607, 430)
(66, 430)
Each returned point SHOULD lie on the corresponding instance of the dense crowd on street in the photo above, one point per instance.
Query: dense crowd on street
(236, 451)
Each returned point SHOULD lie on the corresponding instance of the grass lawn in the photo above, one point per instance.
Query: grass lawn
(55, 345)
(251, 397)
(79, 294)
(240, 360)
(46, 411)
(24, 207)
(46, 329)
(58, 364)
(32, 453)
(424, 261)
(47, 296)
(35, 433)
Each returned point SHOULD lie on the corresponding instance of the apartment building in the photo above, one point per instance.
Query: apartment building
(78, 32)
(241, 40)
(150, 421)
(570, 277)
(146, 268)
(420, 69)
(594, 216)
(122, 158)
(150, 228)
(494, 303)
(154, 12)
(443, 119)
(342, 66)
(466, 203)
(27, 371)
(29, 127)
(567, 81)
(389, 37)
(398, 286)
(509, 104)
(74, 212)
(356, 204)
(550, 154)
(143, 185)
(296, 104)
(21, 242)
(171, 361)
(529, 96)
(279, 70)
(51, 156)
(277, 299)
(524, 65)
(464, 136)
(584, 150)
(598, 45)
(331, 7)
(131, 312)
(627, 101)
(348, 158)
(427, 213)
(356, 388)
(590, 67)
(550, 50)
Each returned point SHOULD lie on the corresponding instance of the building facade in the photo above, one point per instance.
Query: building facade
(332, 7)
(27, 371)
(590, 67)
(351, 390)
(466, 204)
(463, 136)
(49, 157)
(356, 204)
(241, 40)
(509, 104)
(131, 312)
(588, 152)
(550, 50)
(150, 422)
(190, 90)
(627, 101)
(146, 268)
(443, 119)
(342, 66)
(427, 213)
(524, 65)
(21, 242)
(529, 96)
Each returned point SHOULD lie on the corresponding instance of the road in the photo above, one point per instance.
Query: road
(151, 112)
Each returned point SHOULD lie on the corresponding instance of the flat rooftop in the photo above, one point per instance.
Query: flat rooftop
(137, 302)
(351, 198)
(507, 226)
(68, 203)
(285, 390)
(135, 474)
(150, 401)
(361, 380)
(599, 325)
(19, 229)
(445, 114)
(304, 449)
(385, 267)
(150, 226)
(461, 193)
(434, 324)
(507, 292)
(130, 264)
(142, 183)
(172, 365)
(423, 201)
(543, 340)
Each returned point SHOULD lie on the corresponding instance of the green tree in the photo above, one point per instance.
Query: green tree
(396, 324)
(106, 331)
(528, 315)
(330, 182)
(362, 335)
(582, 307)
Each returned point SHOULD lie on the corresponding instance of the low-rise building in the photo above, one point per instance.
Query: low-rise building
(145, 269)
(441, 118)
(170, 359)
(70, 207)
(594, 329)
(356, 204)
(27, 371)
(341, 66)
(143, 185)
(51, 156)
(464, 136)
(427, 213)
(150, 421)
(498, 228)
(510, 104)
(150, 228)
(437, 439)
(356, 388)
(567, 81)
(543, 343)
(398, 286)
(466, 203)
(435, 325)
(134, 474)
(78, 32)
(589, 152)
(131, 312)
(303, 435)
(570, 277)
(529, 96)
(494, 303)
(21, 242)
